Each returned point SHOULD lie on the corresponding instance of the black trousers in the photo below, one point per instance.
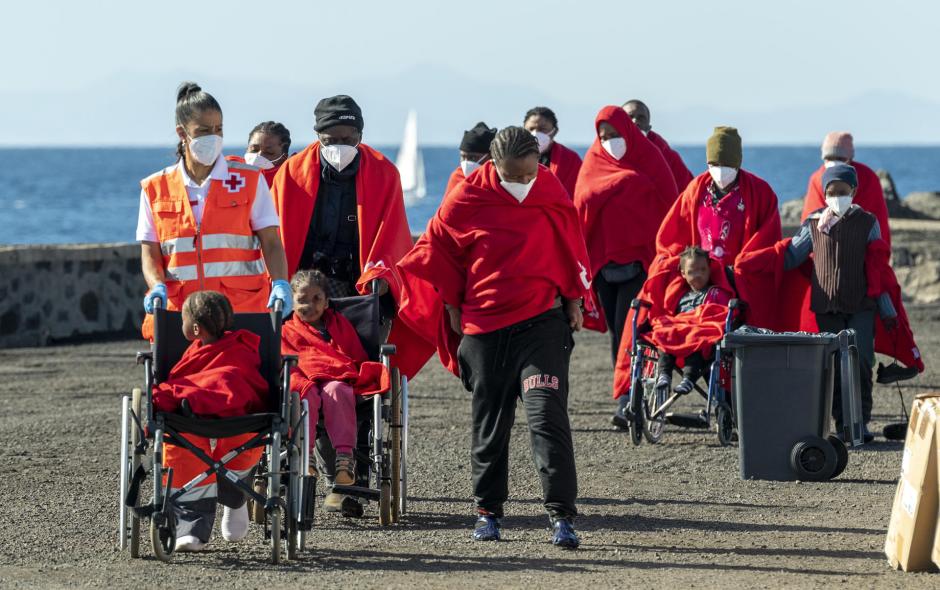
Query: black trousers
(615, 299)
(693, 368)
(863, 323)
(528, 360)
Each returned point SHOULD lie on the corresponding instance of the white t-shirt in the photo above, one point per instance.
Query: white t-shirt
(263, 213)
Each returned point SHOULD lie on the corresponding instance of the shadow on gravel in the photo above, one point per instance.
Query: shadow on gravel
(809, 552)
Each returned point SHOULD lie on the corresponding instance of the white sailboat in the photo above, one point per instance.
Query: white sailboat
(410, 162)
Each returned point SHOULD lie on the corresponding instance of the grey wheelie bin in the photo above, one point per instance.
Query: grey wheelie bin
(783, 386)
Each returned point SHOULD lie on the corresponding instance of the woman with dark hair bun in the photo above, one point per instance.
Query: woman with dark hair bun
(206, 223)
(505, 258)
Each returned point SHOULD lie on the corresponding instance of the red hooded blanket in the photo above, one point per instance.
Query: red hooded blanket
(384, 235)
(621, 203)
(565, 164)
(342, 359)
(680, 172)
(456, 177)
(220, 379)
(500, 261)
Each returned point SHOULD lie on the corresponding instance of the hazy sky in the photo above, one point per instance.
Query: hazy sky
(106, 72)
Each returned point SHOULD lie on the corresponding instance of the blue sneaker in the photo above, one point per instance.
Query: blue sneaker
(563, 534)
(487, 528)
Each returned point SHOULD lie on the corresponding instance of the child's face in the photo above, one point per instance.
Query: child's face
(191, 328)
(696, 272)
(309, 303)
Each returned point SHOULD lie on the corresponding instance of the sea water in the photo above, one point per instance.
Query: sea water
(82, 195)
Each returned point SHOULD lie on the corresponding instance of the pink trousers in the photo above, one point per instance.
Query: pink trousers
(338, 402)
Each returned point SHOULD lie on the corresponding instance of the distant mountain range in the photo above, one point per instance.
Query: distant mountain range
(133, 109)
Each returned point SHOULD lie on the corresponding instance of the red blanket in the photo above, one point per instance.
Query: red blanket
(621, 203)
(456, 177)
(565, 164)
(869, 196)
(384, 235)
(675, 333)
(761, 229)
(500, 261)
(342, 359)
(219, 380)
(680, 172)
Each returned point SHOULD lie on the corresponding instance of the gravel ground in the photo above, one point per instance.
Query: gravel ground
(674, 513)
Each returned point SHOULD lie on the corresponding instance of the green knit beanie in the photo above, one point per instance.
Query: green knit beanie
(724, 147)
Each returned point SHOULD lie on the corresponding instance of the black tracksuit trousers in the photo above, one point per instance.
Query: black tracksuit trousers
(528, 360)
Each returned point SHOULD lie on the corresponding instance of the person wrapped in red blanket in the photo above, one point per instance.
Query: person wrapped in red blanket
(505, 255)
(474, 152)
(563, 162)
(728, 212)
(218, 376)
(697, 321)
(342, 212)
(332, 370)
(640, 114)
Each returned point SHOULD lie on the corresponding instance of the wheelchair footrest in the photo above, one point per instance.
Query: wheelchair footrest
(357, 492)
(687, 420)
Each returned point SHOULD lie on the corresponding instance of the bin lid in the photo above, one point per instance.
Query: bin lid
(750, 336)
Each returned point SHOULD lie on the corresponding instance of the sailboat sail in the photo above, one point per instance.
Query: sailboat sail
(410, 162)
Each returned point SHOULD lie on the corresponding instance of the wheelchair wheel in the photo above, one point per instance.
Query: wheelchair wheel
(295, 473)
(653, 399)
(394, 423)
(724, 419)
(162, 537)
(136, 396)
(385, 503)
(275, 520)
(403, 490)
(635, 412)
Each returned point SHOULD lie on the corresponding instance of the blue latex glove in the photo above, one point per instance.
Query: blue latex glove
(157, 292)
(280, 289)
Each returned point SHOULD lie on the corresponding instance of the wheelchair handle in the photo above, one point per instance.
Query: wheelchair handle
(278, 306)
(638, 303)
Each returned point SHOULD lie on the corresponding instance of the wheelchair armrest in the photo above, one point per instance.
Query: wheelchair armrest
(388, 350)
(638, 303)
(144, 356)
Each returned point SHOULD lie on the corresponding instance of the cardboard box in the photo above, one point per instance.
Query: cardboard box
(936, 540)
(910, 541)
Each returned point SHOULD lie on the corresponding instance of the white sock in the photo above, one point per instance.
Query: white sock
(189, 543)
(235, 523)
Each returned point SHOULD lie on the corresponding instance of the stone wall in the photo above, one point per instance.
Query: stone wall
(54, 293)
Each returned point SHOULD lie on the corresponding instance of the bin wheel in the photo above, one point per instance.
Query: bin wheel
(842, 455)
(813, 459)
(725, 422)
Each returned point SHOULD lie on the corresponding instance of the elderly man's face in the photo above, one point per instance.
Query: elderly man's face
(340, 135)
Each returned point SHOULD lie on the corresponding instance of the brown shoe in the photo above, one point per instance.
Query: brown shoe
(345, 470)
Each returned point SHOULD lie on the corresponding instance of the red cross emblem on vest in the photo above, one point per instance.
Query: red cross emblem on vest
(234, 183)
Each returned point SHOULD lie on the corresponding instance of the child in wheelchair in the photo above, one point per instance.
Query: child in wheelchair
(698, 290)
(333, 370)
(218, 376)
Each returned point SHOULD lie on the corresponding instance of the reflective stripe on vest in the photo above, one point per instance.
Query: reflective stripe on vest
(213, 270)
(209, 242)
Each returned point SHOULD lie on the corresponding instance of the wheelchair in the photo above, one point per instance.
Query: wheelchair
(648, 406)
(382, 452)
(282, 431)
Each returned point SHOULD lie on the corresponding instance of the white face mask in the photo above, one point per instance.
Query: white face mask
(544, 139)
(519, 190)
(723, 175)
(839, 205)
(616, 147)
(339, 156)
(256, 159)
(206, 149)
(468, 166)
